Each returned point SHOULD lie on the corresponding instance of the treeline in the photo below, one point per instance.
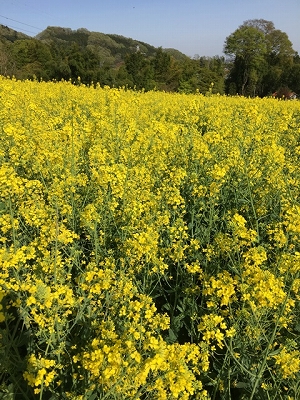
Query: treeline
(113, 60)
(59, 53)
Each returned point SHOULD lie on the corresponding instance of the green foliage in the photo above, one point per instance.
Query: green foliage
(261, 61)
(161, 65)
(248, 47)
(176, 54)
(199, 75)
(11, 35)
(7, 62)
(292, 77)
(29, 50)
(260, 56)
(113, 60)
(140, 71)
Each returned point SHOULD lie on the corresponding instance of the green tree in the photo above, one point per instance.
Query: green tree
(174, 74)
(123, 77)
(248, 48)
(29, 51)
(292, 75)
(140, 70)
(200, 73)
(161, 66)
(7, 62)
(213, 70)
(260, 56)
(31, 57)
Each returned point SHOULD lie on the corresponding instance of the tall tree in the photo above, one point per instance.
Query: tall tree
(140, 70)
(260, 56)
(248, 48)
(279, 47)
(161, 64)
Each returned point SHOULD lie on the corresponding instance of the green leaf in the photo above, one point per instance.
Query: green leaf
(241, 385)
(172, 337)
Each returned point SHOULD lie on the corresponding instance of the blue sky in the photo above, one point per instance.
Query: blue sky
(191, 26)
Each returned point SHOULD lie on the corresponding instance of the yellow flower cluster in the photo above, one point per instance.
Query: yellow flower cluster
(288, 361)
(39, 372)
(149, 244)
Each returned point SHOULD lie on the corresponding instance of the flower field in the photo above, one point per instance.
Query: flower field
(149, 245)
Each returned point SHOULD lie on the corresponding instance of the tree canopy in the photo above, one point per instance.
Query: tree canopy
(260, 57)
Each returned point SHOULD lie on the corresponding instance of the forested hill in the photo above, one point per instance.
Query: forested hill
(114, 60)
(109, 48)
(10, 35)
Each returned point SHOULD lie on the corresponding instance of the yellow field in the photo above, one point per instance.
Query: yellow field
(149, 244)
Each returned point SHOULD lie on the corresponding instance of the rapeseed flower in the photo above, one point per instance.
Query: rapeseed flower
(149, 242)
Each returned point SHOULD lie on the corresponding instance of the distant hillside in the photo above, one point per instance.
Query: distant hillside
(59, 53)
(111, 48)
(11, 35)
(176, 54)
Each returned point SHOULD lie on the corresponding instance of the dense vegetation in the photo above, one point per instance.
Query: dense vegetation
(149, 245)
(261, 61)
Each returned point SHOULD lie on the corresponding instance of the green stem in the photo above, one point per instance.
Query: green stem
(263, 364)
